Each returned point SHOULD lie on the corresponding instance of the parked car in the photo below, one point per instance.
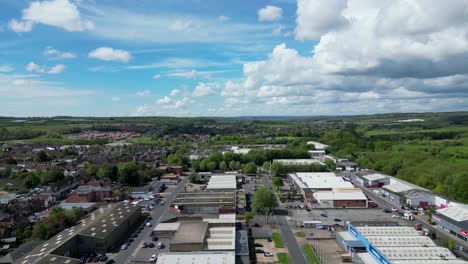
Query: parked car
(258, 245)
(259, 251)
(155, 238)
(151, 245)
(267, 254)
(145, 245)
(96, 259)
(124, 246)
(386, 210)
(159, 245)
(269, 239)
(153, 258)
(324, 215)
(110, 261)
(337, 220)
(149, 224)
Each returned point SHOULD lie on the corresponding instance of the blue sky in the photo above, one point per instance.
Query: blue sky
(230, 58)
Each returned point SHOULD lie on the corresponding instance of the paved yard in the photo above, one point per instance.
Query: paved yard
(268, 247)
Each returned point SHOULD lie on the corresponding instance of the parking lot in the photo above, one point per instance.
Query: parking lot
(340, 216)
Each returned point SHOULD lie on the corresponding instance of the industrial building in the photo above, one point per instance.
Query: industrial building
(375, 180)
(392, 244)
(454, 220)
(341, 198)
(317, 145)
(200, 257)
(207, 202)
(190, 236)
(298, 161)
(327, 189)
(98, 232)
(226, 182)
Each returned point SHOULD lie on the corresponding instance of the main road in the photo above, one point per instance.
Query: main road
(289, 239)
(125, 256)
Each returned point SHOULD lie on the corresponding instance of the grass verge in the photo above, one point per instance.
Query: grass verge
(277, 240)
(313, 259)
(300, 234)
(282, 258)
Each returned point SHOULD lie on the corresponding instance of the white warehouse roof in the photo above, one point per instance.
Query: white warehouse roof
(223, 181)
(199, 257)
(317, 145)
(323, 180)
(387, 231)
(458, 214)
(298, 161)
(421, 253)
(397, 241)
(375, 176)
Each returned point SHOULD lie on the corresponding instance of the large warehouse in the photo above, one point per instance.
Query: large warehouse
(103, 228)
(394, 244)
(328, 190)
(454, 220)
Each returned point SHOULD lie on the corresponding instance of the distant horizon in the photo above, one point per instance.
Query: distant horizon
(253, 116)
(232, 58)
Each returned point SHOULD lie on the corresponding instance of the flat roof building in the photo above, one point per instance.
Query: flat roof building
(397, 244)
(351, 198)
(200, 257)
(190, 236)
(205, 202)
(101, 229)
(298, 161)
(454, 220)
(222, 182)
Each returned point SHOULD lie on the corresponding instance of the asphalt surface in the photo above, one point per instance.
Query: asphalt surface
(126, 256)
(289, 239)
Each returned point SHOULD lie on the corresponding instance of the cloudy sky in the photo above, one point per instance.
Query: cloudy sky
(232, 58)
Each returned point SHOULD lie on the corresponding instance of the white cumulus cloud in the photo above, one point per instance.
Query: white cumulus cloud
(270, 13)
(57, 13)
(110, 54)
(202, 90)
(33, 67)
(57, 54)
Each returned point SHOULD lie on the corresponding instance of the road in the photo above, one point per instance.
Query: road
(289, 239)
(125, 256)
(417, 219)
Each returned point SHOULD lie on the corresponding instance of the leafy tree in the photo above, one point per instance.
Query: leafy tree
(153, 173)
(193, 177)
(451, 244)
(175, 159)
(223, 166)
(275, 168)
(330, 164)
(248, 216)
(108, 171)
(203, 165)
(128, 173)
(91, 170)
(277, 182)
(211, 165)
(266, 165)
(264, 201)
(55, 174)
(232, 165)
(250, 168)
(41, 156)
(31, 180)
(238, 165)
(11, 161)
